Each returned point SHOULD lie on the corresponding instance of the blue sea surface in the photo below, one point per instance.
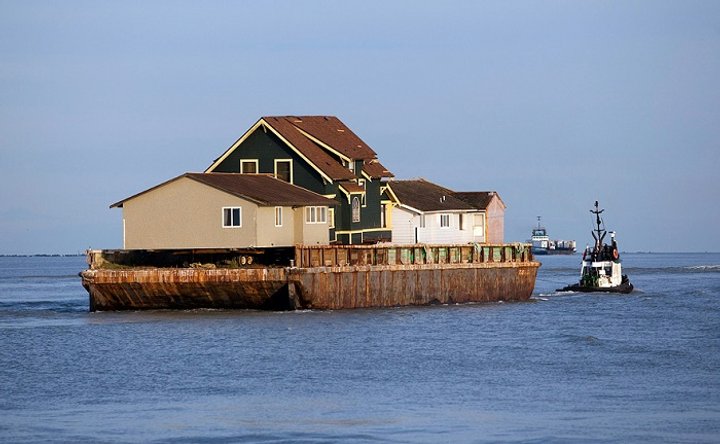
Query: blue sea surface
(563, 367)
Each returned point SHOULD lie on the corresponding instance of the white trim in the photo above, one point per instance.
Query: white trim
(366, 175)
(278, 217)
(363, 198)
(234, 146)
(250, 161)
(446, 215)
(247, 134)
(345, 192)
(358, 219)
(275, 164)
(316, 215)
(393, 196)
(323, 144)
(331, 219)
(366, 230)
(222, 214)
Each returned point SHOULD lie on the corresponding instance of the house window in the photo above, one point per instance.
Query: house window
(422, 221)
(355, 209)
(232, 217)
(444, 221)
(351, 165)
(363, 184)
(331, 217)
(278, 216)
(315, 215)
(461, 222)
(383, 222)
(479, 225)
(249, 166)
(283, 170)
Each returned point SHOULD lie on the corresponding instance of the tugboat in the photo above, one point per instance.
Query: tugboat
(541, 243)
(601, 268)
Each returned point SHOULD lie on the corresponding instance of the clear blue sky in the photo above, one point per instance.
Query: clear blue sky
(554, 104)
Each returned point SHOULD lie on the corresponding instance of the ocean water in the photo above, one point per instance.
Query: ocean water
(563, 367)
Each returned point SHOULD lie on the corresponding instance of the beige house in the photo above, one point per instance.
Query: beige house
(224, 210)
(424, 212)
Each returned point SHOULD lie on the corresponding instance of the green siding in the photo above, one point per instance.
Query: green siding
(266, 147)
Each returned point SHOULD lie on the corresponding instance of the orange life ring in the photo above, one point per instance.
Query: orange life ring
(615, 254)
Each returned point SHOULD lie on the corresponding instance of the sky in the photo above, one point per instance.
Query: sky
(553, 104)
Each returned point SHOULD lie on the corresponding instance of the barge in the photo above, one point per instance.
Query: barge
(325, 277)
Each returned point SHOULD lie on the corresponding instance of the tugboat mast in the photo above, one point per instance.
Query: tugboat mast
(599, 230)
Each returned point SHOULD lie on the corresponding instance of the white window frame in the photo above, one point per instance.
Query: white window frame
(316, 215)
(445, 217)
(355, 211)
(232, 225)
(479, 230)
(278, 217)
(351, 165)
(422, 221)
(275, 164)
(249, 162)
(363, 198)
(331, 217)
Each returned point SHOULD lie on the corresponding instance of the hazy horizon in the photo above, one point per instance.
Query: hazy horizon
(553, 105)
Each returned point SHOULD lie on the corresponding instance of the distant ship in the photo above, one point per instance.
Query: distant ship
(542, 244)
(601, 268)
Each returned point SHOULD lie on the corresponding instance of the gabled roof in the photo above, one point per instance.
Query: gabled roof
(422, 195)
(320, 140)
(375, 169)
(261, 189)
(311, 150)
(352, 187)
(478, 199)
(332, 132)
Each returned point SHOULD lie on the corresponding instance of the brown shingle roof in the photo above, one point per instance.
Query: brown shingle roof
(375, 169)
(262, 189)
(478, 199)
(352, 187)
(318, 156)
(331, 131)
(426, 196)
(334, 133)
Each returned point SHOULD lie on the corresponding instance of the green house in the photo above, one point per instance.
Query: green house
(323, 155)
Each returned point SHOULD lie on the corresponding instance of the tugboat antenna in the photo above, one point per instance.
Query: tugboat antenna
(600, 232)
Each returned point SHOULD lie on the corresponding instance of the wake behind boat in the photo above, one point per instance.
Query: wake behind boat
(601, 268)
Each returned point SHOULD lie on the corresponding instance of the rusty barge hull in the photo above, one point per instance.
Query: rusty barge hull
(351, 277)
(308, 288)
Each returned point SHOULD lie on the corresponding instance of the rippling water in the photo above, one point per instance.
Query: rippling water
(564, 367)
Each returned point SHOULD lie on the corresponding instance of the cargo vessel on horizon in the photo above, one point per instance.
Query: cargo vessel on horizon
(542, 244)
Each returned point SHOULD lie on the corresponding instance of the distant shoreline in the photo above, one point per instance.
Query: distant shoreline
(44, 255)
(622, 252)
